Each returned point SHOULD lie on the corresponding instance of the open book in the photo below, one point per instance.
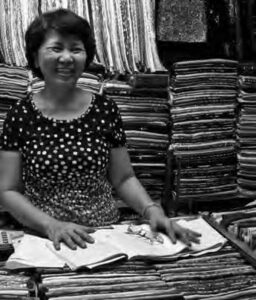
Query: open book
(123, 241)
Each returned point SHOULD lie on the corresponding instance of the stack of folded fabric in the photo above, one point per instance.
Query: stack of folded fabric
(241, 222)
(130, 280)
(246, 134)
(214, 276)
(13, 86)
(13, 286)
(87, 81)
(145, 115)
(203, 102)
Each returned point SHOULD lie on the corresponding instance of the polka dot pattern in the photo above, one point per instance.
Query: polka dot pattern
(65, 162)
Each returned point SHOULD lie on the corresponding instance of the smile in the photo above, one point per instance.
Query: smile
(64, 72)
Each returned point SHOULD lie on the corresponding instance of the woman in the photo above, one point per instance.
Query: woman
(69, 145)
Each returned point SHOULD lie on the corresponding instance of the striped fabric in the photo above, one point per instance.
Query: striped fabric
(13, 86)
(246, 134)
(15, 16)
(203, 100)
(145, 115)
(124, 31)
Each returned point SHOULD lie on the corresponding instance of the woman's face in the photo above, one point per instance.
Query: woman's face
(61, 59)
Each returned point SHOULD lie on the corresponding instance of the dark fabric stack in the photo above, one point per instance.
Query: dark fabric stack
(13, 86)
(13, 287)
(241, 222)
(216, 276)
(246, 134)
(145, 115)
(203, 102)
(130, 280)
(221, 275)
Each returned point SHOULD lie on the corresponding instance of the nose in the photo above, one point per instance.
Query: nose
(66, 56)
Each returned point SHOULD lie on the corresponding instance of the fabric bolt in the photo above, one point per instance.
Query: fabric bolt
(240, 222)
(15, 16)
(124, 31)
(145, 120)
(13, 86)
(13, 286)
(72, 154)
(203, 128)
(246, 136)
(87, 81)
(211, 276)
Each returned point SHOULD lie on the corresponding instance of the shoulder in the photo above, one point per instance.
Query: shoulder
(107, 104)
(20, 108)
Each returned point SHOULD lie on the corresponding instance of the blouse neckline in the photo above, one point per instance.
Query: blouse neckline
(55, 120)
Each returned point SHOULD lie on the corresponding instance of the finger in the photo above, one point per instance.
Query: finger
(194, 233)
(191, 235)
(185, 240)
(170, 232)
(84, 236)
(88, 229)
(193, 239)
(68, 241)
(78, 240)
(56, 243)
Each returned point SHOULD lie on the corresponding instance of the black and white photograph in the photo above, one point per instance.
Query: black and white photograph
(127, 149)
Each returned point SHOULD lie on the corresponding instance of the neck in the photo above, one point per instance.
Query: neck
(59, 97)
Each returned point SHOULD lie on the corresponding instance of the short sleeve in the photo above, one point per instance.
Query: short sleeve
(118, 137)
(10, 140)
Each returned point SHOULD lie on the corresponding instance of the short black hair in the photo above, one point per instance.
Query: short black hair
(64, 22)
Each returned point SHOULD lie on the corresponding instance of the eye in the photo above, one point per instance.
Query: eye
(77, 50)
(56, 49)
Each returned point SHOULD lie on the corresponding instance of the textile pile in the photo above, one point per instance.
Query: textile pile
(130, 280)
(15, 16)
(13, 86)
(124, 31)
(13, 286)
(220, 276)
(215, 276)
(87, 81)
(145, 115)
(203, 101)
(246, 135)
(241, 222)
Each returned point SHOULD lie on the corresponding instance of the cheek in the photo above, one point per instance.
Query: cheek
(47, 62)
(80, 62)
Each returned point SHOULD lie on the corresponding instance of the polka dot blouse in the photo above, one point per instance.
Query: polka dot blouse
(65, 162)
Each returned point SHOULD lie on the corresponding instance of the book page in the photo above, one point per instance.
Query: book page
(100, 252)
(31, 251)
(113, 244)
(141, 245)
(210, 238)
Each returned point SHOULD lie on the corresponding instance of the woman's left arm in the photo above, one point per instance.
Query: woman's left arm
(133, 193)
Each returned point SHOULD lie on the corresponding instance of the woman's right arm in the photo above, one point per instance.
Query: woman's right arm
(27, 214)
(11, 197)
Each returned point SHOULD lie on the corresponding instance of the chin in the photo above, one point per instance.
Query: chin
(66, 81)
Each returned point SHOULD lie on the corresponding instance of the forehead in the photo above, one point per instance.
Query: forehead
(53, 36)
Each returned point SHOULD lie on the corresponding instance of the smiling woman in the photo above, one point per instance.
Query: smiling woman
(61, 58)
(69, 144)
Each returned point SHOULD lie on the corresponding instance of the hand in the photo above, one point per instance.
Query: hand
(71, 234)
(159, 222)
